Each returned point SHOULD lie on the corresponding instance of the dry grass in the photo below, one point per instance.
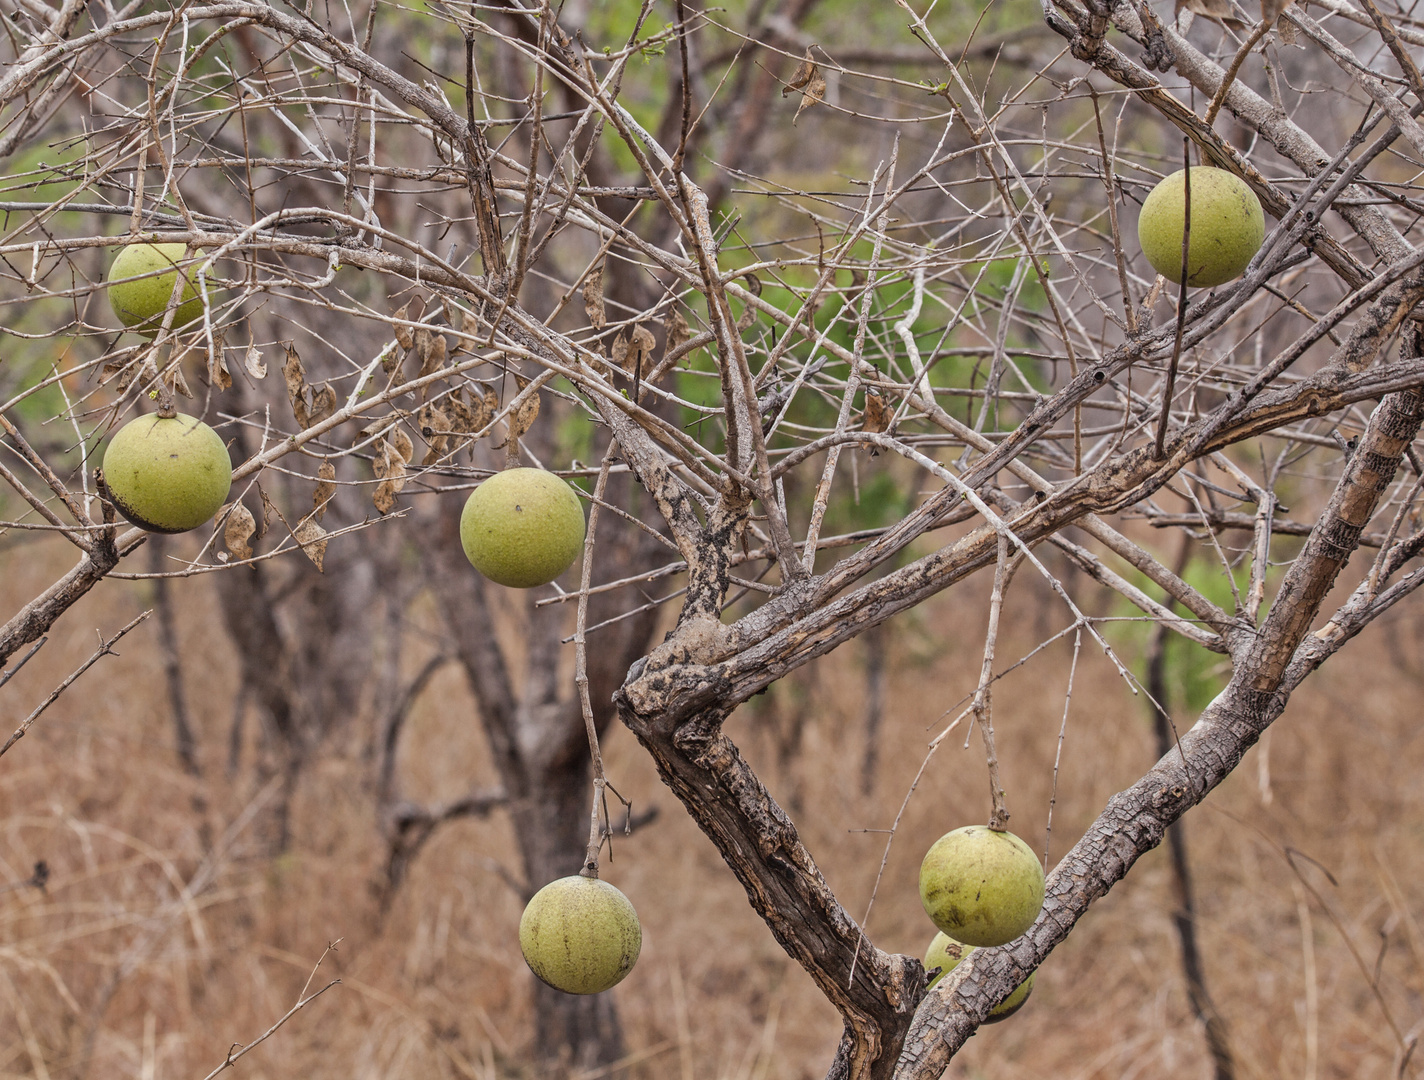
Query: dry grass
(115, 957)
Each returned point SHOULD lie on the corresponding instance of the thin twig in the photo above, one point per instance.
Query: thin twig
(106, 648)
(237, 1050)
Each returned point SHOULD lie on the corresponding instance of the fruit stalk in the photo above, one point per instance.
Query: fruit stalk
(600, 781)
(983, 713)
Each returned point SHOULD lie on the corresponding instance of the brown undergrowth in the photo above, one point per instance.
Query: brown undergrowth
(166, 931)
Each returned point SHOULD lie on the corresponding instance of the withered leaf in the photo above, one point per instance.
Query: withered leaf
(1220, 10)
(814, 93)
(269, 511)
(483, 408)
(325, 488)
(749, 315)
(461, 416)
(403, 446)
(432, 349)
(876, 416)
(804, 71)
(638, 356)
(809, 80)
(253, 361)
(1271, 9)
(384, 497)
(323, 404)
(434, 423)
(391, 357)
(620, 349)
(312, 537)
(403, 334)
(218, 374)
(676, 329)
(522, 418)
(173, 379)
(310, 404)
(389, 467)
(238, 531)
(470, 329)
(593, 298)
(295, 376)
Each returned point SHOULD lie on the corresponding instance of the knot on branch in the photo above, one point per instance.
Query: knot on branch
(678, 675)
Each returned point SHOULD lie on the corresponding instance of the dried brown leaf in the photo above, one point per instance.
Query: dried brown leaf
(238, 531)
(389, 467)
(461, 417)
(403, 446)
(173, 379)
(593, 298)
(676, 329)
(814, 93)
(269, 511)
(522, 418)
(295, 376)
(434, 422)
(323, 404)
(404, 337)
(325, 488)
(804, 72)
(384, 497)
(483, 408)
(312, 537)
(639, 357)
(252, 361)
(433, 350)
(218, 374)
(470, 328)
(876, 416)
(619, 352)
(753, 284)
(1220, 10)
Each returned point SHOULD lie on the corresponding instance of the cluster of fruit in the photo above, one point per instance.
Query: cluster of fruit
(981, 888)
(521, 528)
(524, 527)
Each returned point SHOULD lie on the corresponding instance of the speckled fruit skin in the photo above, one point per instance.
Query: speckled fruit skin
(1227, 227)
(522, 528)
(580, 935)
(945, 953)
(981, 887)
(140, 304)
(167, 476)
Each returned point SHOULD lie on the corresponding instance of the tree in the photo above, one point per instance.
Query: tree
(639, 280)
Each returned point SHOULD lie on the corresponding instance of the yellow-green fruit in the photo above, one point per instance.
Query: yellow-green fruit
(522, 528)
(140, 303)
(167, 476)
(580, 935)
(981, 887)
(944, 953)
(1227, 226)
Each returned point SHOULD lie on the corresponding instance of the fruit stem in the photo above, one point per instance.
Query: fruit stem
(600, 780)
(983, 714)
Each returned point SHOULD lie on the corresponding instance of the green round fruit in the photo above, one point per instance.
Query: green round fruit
(980, 886)
(140, 303)
(167, 475)
(580, 935)
(1227, 227)
(522, 528)
(945, 953)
